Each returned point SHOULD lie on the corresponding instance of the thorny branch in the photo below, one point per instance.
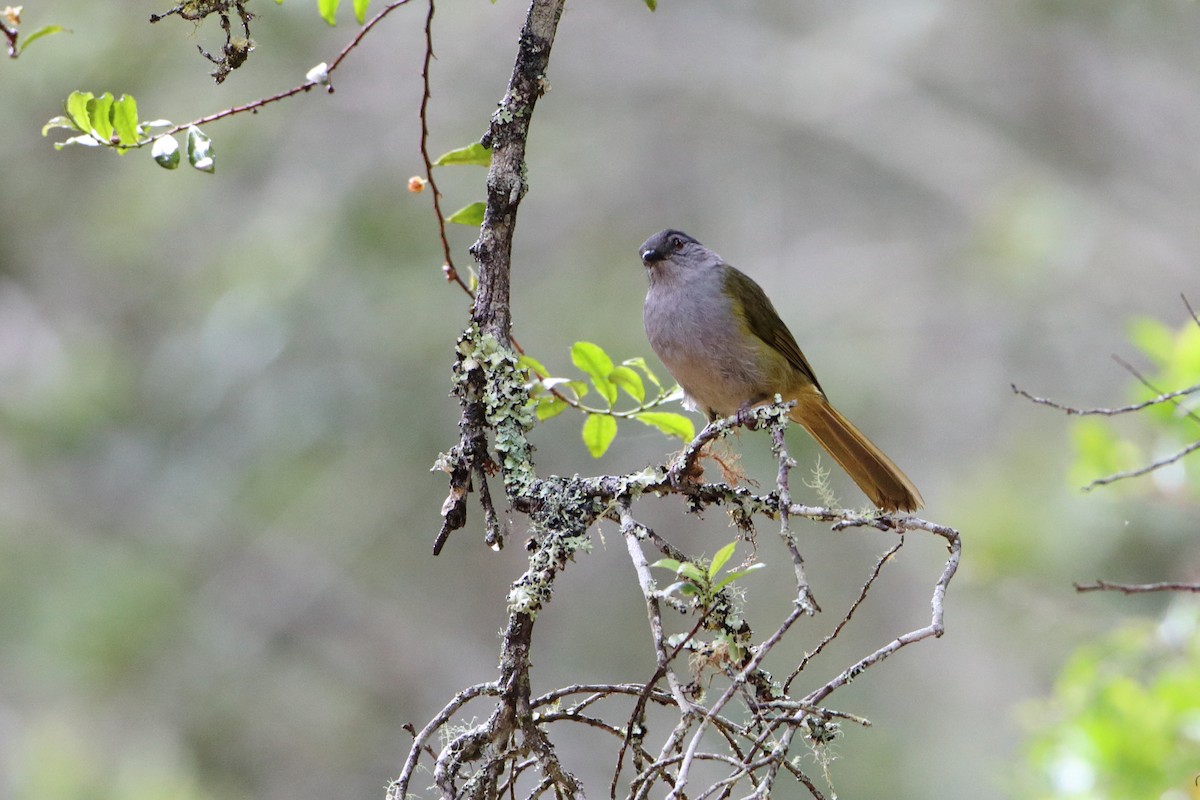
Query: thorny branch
(511, 751)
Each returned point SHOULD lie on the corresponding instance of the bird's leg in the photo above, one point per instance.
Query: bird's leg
(745, 418)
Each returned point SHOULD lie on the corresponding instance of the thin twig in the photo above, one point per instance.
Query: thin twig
(397, 788)
(630, 529)
(1143, 470)
(304, 87)
(1137, 588)
(935, 628)
(1191, 310)
(1146, 382)
(804, 595)
(862, 596)
(1106, 412)
(448, 265)
(716, 708)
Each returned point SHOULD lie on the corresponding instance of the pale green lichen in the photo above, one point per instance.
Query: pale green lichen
(507, 408)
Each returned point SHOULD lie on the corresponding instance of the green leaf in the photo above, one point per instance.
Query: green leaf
(125, 120)
(200, 152)
(475, 154)
(595, 363)
(733, 576)
(360, 10)
(468, 215)
(640, 363)
(328, 10)
(77, 110)
(630, 381)
(550, 406)
(667, 563)
(534, 366)
(165, 151)
(59, 122)
(100, 113)
(669, 423)
(692, 573)
(652, 4)
(39, 33)
(720, 558)
(598, 432)
(592, 359)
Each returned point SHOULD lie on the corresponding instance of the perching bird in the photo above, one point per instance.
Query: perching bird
(722, 340)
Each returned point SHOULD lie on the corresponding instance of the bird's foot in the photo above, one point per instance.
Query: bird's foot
(744, 418)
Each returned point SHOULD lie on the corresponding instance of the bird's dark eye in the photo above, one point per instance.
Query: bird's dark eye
(676, 243)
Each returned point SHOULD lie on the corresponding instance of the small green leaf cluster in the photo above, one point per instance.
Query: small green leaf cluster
(100, 121)
(474, 154)
(705, 587)
(699, 580)
(328, 10)
(1123, 722)
(1175, 353)
(105, 121)
(554, 395)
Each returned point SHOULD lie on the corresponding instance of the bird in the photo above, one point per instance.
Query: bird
(720, 337)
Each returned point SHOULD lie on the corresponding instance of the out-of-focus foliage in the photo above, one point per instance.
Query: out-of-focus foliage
(1124, 720)
(1106, 445)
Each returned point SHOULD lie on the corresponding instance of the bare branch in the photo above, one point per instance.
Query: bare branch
(1145, 382)
(1144, 470)
(506, 183)
(935, 628)
(1107, 412)
(1191, 310)
(1137, 588)
(862, 596)
(295, 90)
(398, 788)
(804, 595)
(448, 268)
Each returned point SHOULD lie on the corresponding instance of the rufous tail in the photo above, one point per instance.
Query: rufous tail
(881, 480)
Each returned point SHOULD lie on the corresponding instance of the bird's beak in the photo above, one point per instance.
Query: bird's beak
(649, 258)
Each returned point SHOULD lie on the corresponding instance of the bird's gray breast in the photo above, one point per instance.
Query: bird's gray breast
(702, 343)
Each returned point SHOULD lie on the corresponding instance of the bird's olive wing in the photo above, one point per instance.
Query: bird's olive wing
(763, 320)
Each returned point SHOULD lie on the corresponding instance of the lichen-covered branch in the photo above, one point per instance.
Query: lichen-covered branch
(506, 181)
(712, 671)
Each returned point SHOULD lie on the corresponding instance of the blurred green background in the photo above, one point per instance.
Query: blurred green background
(220, 395)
